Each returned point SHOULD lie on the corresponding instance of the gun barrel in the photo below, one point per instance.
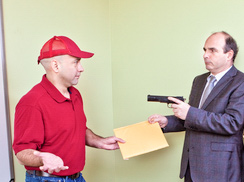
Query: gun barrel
(162, 99)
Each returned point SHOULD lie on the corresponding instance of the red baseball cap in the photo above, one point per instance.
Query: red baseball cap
(61, 45)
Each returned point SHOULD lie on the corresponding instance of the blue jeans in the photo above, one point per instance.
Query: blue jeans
(34, 178)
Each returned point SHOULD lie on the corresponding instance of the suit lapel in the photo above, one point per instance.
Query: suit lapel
(200, 87)
(222, 83)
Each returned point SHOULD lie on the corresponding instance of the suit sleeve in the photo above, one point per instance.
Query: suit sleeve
(174, 124)
(223, 116)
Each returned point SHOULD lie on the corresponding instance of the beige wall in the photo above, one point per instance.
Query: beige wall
(141, 47)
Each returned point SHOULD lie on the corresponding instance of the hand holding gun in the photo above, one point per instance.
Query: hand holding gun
(180, 108)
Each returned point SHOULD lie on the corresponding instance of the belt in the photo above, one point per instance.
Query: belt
(44, 174)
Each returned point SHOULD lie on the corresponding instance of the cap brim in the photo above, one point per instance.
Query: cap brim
(83, 54)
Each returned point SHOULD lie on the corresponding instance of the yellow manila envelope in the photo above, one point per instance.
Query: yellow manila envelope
(140, 138)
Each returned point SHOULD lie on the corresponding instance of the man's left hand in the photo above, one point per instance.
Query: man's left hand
(111, 143)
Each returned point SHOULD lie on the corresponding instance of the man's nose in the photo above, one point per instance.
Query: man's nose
(80, 68)
(205, 55)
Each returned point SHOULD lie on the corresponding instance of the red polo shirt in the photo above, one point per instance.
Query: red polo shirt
(48, 122)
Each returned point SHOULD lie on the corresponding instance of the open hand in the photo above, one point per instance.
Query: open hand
(51, 162)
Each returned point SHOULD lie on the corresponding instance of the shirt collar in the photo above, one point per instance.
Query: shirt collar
(219, 75)
(53, 91)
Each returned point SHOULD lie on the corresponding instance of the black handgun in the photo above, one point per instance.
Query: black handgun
(163, 99)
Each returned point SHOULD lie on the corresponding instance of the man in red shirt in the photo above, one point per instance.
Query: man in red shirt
(50, 130)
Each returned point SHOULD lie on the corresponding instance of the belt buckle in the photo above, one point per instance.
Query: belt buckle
(74, 176)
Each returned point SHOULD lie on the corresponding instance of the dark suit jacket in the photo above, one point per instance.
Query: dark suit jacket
(213, 139)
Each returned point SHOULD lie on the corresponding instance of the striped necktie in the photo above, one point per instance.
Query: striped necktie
(208, 89)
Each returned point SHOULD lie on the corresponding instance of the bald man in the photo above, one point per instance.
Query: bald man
(50, 131)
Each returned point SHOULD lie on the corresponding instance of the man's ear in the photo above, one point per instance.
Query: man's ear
(230, 55)
(55, 65)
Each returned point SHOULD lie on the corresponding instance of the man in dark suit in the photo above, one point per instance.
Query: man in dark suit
(214, 127)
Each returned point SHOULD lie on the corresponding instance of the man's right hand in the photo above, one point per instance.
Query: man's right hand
(162, 120)
(51, 162)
